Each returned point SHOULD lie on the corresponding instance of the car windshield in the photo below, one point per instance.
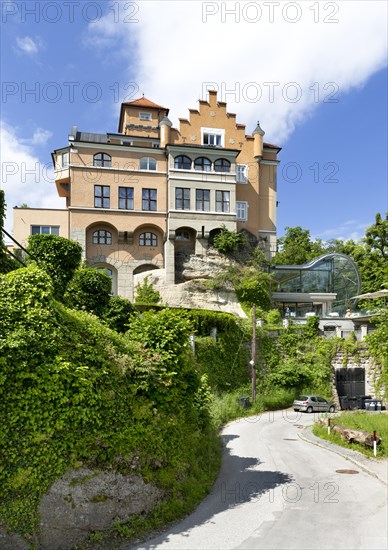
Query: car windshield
(302, 398)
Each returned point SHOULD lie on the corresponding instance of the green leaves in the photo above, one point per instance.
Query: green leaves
(58, 256)
(146, 294)
(74, 392)
(89, 290)
(228, 241)
(254, 287)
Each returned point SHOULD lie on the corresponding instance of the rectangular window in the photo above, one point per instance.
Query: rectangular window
(65, 160)
(222, 201)
(213, 137)
(241, 173)
(145, 116)
(149, 199)
(182, 198)
(101, 196)
(45, 230)
(126, 198)
(202, 200)
(242, 211)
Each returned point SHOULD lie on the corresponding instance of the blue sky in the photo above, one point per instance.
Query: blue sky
(325, 65)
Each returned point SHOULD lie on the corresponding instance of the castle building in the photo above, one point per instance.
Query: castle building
(136, 198)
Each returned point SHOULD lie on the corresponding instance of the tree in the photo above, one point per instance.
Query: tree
(296, 247)
(373, 264)
(146, 294)
(253, 287)
(370, 254)
(7, 264)
(89, 290)
(376, 237)
(58, 256)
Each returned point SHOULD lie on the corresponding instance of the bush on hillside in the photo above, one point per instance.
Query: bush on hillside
(74, 392)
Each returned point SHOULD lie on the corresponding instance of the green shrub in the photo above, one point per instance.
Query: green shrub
(254, 288)
(117, 313)
(146, 294)
(225, 362)
(74, 392)
(228, 241)
(58, 256)
(7, 263)
(89, 290)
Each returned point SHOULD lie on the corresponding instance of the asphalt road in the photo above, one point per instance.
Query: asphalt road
(277, 491)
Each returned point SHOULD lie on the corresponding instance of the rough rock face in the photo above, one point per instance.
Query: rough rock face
(11, 541)
(191, 292)
(189, 267)
(85, 500)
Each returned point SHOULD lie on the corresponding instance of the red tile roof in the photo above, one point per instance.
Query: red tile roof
(144, 102)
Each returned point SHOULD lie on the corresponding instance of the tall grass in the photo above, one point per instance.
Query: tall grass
(361, 420)
(227, 407)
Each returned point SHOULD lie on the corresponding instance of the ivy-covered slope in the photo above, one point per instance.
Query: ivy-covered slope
(73, 392)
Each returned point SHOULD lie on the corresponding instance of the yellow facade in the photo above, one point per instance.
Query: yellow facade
(136, 198)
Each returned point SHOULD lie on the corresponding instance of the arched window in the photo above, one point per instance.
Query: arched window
(202, 164)
(147, 163)
(182, 162)
(102, 159)
(101, 236)
(148, 239)
(222, 165)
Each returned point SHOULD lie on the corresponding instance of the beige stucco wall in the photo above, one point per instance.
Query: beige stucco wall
(260, 191)
(24, 218)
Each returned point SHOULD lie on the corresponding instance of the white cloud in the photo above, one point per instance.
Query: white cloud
(24, 178)
(39, 137)
(178, 49)
(351, 229)
(28, 45)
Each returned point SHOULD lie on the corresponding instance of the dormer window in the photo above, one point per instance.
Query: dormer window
(145, 116)
(213, 137)
(102, 159)
(147, 163)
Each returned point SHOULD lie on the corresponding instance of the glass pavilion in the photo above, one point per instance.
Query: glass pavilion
(324, 286)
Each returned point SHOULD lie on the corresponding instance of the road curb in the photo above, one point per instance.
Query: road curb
(335, 449)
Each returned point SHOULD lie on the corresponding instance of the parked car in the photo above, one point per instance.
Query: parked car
(313, 403)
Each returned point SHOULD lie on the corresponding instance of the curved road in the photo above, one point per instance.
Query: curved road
(276, 491)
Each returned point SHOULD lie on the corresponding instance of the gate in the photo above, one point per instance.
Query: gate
(350, 382)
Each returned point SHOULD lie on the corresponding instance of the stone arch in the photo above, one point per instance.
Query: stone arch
(96, 251)
(212, 234)
(148, 242)
(145, 267)
(185, 239)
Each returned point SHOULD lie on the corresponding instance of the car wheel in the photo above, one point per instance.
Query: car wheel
(332, 409)
(309, 410)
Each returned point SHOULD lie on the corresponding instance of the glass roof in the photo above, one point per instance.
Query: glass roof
(330, 273)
